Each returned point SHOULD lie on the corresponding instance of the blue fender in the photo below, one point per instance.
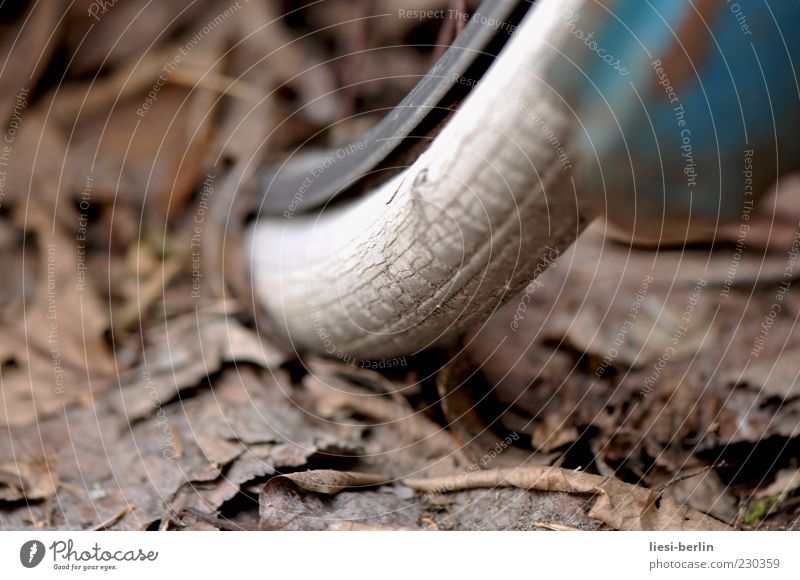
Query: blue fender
(682, 112)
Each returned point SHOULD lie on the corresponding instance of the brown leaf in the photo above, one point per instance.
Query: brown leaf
(187, 350)
(124, 30)
(58, 347)
(506, 509)
(356, 527)
(316, 84)
(284, 505)
(776, 376)
(619, 505)
(786, 482)
(27, 481)
(401, 440)
(329, 481)
(701, 489)
(25, 50)
(460, 397)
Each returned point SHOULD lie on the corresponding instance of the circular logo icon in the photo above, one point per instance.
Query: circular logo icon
(31, 553)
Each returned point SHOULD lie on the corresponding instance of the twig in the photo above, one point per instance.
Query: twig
(678, 478)
(556, 527)
(113, 519)
(219, 83)
(359, 527)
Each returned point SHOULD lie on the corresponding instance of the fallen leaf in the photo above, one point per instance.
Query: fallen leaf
(26, 47)
(786, 482)
(27, 481)
(123, 30)
(462, 398)
(285, 506)
(619, 505)
(329, 481)
(185, 351)
(777, 376)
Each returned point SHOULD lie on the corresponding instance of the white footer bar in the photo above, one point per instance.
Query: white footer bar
(354, 555)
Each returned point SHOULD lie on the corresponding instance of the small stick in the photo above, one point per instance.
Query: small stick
(113, 519)
(556, 527)
(678, 478)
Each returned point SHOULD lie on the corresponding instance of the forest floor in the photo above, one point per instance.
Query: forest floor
(626, 389)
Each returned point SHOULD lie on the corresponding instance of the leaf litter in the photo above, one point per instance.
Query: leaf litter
(140, 391)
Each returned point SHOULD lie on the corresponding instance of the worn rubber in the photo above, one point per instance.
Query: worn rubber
(433, 252)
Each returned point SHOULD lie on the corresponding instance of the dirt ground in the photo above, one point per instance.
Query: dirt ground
(142, 389)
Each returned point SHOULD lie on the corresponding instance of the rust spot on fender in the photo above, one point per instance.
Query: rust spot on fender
(693, 44)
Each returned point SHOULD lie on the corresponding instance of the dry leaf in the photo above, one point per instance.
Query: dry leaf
(786, 482)
(330, 481)
(186, 351)
(285, 506)
(460, 403)
(25, 51)
(619, 505)
(25, 481)
(120, 31)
